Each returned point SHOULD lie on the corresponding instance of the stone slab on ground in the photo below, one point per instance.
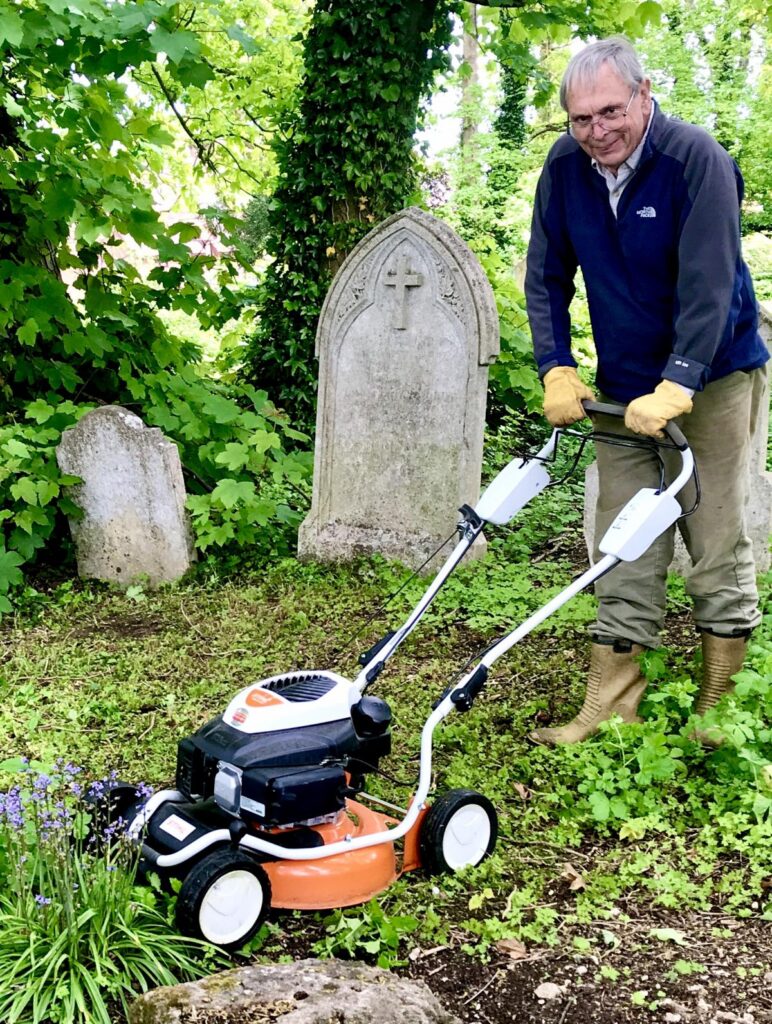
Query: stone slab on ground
(306, 992)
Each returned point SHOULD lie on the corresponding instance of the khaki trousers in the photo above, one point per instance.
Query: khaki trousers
(722, 580)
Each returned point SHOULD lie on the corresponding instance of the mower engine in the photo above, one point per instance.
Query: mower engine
(287, 751)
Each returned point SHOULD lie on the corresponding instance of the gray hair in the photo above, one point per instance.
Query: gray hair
(585, 65)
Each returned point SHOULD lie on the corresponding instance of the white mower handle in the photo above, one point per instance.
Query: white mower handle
(645, 517)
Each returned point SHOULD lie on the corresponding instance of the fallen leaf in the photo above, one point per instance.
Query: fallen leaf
(513, 948)
(610, 938)
(573, 877)
(418, 954)
(668, 935)
(522, 791)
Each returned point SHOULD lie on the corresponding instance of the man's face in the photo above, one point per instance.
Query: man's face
(610, 147)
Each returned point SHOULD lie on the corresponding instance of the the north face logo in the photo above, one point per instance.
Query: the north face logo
(646, 211)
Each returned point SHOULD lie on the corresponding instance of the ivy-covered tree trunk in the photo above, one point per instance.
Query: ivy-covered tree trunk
(345, 163)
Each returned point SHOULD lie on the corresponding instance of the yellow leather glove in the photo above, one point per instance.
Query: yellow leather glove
(563, 394)
(649, 413)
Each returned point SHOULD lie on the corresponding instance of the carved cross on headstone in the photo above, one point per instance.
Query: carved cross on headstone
(402, 278)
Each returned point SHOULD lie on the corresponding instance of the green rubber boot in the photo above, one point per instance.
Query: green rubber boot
(722, 658)
(615, 686)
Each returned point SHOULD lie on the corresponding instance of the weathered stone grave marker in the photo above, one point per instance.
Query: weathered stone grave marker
(405, 337)
(132, 496)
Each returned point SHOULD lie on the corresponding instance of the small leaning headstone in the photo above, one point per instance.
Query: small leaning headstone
(134, 525)
(405, 337)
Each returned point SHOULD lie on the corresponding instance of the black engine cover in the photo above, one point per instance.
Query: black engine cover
(288, 771)
(286, 796)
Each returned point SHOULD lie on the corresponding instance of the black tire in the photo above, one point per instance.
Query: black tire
(224, 899)
(459, 830)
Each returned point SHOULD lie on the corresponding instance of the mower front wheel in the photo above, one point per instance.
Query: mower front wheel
(224, 899)
(459, 831)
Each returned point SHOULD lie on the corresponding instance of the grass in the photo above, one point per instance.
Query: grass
(637, 819)
(106, 681)
(111, 681)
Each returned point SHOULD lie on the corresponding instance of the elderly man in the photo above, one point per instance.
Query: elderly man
(648, 207)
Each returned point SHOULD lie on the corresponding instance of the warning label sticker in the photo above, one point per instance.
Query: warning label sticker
(177, 827)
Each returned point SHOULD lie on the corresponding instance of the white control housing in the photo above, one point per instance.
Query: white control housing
(511, 490)
(261, 708)
(644, 518)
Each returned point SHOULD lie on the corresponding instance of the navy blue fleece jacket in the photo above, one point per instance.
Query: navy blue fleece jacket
(668, 291)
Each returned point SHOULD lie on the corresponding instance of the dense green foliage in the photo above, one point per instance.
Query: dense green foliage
(80, 323)
(710, 66)
(652, 818)
(223, 117)
(345, 163)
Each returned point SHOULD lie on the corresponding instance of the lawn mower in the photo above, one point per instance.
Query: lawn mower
(269, 806)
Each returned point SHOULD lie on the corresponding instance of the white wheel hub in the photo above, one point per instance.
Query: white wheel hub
(466, 837)
(230, 907)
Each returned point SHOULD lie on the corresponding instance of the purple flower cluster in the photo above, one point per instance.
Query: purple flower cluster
(56, 827)
(12, 808)
(49, 801)
(144, 792)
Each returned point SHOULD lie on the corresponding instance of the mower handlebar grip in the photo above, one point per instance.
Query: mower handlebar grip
(609, 409)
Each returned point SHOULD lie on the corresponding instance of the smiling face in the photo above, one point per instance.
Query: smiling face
(610, 147)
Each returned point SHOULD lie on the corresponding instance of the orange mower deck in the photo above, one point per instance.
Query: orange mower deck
(344, 879)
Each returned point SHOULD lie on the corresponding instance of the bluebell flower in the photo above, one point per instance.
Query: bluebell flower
(14, 808)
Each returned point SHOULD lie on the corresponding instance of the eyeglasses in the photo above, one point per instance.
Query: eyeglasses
(608, 119)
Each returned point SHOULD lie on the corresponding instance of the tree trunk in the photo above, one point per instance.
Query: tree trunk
(344, 165)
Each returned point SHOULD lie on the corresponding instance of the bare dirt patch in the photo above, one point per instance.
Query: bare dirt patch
(707, 980)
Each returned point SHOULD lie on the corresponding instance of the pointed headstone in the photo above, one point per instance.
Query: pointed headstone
(405, 337)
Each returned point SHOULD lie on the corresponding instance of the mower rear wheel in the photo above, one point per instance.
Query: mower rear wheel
(459, 831)
(224, 899)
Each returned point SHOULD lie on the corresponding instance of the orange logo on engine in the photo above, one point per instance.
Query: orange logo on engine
(258, 698)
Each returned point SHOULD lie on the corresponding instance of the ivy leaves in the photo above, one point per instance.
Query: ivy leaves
(346, 163)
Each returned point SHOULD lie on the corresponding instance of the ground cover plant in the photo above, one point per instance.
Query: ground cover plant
(631, 855)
